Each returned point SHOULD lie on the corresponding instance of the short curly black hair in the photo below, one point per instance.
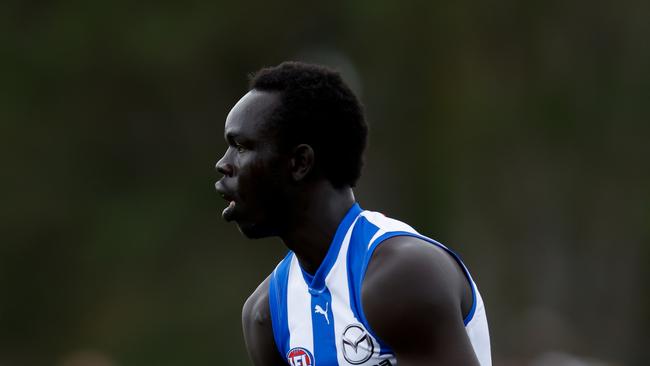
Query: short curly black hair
(317, 108)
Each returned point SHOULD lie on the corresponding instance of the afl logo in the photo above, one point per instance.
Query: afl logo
(357, 344)
(300, 357)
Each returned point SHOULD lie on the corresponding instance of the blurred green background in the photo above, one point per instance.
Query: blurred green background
(514, 132)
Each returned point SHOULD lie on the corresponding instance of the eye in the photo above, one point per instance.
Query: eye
(240, 148)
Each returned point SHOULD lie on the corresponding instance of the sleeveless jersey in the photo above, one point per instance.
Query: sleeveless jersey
(318, 320)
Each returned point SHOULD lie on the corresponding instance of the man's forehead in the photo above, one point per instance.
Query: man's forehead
(251, 110)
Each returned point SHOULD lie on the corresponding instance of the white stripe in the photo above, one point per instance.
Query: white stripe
(337, 283)
(385, 224)
(299, 309)
(478, 333)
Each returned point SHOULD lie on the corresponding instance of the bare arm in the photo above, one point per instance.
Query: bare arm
(258, 331)
(414, 296)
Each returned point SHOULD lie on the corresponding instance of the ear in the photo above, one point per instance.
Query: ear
(302, 161)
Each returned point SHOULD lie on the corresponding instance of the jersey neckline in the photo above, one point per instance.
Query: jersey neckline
(316, 283)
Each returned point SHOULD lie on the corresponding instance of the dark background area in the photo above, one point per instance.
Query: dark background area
(514, 132)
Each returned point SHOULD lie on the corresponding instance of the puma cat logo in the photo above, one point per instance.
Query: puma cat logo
(319, 310)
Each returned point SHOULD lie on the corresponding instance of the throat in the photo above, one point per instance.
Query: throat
(314, 223)
(311, 256)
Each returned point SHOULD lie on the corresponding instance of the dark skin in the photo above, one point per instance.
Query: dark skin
(272, 192)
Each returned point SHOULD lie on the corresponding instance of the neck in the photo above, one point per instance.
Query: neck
(318, 214)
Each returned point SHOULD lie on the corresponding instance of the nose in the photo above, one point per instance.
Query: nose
(224, 167)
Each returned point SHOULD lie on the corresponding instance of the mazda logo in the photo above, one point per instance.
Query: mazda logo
(357, 344)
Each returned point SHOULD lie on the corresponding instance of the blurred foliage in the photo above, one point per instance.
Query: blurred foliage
(515, 132)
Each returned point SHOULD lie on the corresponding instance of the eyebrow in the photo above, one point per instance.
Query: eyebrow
(229, 136)
(241, 139)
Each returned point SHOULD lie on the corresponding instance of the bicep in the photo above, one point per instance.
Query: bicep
(258, 331)
(411, 297)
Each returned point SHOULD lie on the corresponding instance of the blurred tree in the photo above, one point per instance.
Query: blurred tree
(515, 132)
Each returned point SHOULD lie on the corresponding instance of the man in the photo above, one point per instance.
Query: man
(356, 287)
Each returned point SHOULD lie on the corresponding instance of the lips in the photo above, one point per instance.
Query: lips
(227, 213)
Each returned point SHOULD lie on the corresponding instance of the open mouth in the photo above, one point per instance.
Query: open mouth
(227, 213)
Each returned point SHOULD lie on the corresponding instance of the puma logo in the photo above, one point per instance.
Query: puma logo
(319, 310)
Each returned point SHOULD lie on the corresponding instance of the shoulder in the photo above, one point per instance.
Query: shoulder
(413, 268)
(258, 328)
(412, 296)
(256, 307)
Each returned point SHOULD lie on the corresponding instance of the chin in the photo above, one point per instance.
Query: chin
(255, 231)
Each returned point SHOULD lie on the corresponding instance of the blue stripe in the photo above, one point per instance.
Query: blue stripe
(317, 284)
(278, 305)
(363, 231)
(323, 328)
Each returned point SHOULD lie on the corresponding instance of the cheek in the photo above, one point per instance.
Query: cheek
(261, 183)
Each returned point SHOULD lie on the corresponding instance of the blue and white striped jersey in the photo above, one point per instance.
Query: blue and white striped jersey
(318, 320)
